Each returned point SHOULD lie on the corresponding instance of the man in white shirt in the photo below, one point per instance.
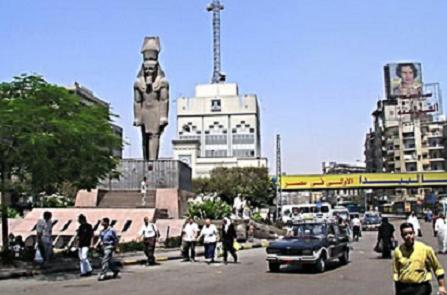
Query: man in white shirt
(44, 231)
(149, 233)
(209, 234)
(441, 231)
(237, 205)
(356, 227)
(190, 233)
(415, 222)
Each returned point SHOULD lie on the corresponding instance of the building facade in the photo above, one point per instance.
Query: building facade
(218, 127)
(89, 98)
(408, 133)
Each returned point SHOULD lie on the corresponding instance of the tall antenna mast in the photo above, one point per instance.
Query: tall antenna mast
(216, 7)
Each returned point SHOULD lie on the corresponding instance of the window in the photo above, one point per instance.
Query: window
(216, 139)
(216, 105)
(185, 159)
(243, 153)
(243, 139)
(190, 137)
(215, 153)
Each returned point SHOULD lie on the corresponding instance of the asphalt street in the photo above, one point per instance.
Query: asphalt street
(365, 274)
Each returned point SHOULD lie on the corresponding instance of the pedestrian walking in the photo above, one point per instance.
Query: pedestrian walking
(85, 235)
(149, 233)
(190, 233)
(413, 219)
(441, 233)
(385, 238)
(356, 227)
(429, 216)
(209, 234)
(413, 263)
(109, 242)
(44, 230)
(228, 234)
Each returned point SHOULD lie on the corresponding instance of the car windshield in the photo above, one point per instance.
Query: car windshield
(305, 230)
(372, 216)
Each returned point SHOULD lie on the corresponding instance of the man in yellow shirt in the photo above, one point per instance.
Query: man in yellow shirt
(412, 265)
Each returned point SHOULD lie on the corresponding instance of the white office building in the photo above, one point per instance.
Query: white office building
(218, 128)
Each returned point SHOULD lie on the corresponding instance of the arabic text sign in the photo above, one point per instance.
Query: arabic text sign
(362, 180)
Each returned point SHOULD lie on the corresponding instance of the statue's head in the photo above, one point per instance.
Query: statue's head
(150, 50)
(150, 68)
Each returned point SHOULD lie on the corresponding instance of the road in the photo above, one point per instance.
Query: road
(365, 274)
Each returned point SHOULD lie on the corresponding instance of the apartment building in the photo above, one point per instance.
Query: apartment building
(408, 133)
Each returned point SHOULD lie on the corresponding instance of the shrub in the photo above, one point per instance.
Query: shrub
(131, 246)
(173, 242)
(56, 201)
(213, 209)
(257, 217)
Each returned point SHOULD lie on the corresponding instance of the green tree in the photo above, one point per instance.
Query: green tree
(252, 183)
(48, 137)
(201, 185)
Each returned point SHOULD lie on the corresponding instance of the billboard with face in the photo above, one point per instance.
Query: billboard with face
(403, 80)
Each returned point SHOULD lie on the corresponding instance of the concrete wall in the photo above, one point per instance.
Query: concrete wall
(160, 174)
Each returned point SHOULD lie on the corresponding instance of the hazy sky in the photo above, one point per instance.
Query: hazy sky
(315, 65)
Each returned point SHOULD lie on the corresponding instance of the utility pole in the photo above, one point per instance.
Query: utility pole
(216, 7)
(278, 177)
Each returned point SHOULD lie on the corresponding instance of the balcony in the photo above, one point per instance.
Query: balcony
(410, 160)
(434, 135)
(437, 159)
(435, 147)
(409, 148)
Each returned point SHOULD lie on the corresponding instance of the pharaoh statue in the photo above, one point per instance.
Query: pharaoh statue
(151, 99)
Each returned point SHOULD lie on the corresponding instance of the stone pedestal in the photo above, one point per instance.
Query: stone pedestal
(159, 174)
(169, 186)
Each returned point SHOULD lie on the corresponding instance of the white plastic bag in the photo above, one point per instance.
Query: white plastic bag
(38, 258)
(219, 249)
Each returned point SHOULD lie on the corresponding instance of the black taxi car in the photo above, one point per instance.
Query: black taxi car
(309, 243)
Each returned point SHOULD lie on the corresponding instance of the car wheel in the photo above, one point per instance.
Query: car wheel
(344, 259)
(274, 266)
(321, 264)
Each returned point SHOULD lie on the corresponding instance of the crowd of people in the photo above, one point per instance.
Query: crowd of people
(107, 244)
(210, 235)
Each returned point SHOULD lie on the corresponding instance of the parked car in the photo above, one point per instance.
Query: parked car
(309, 242)
(371, 221)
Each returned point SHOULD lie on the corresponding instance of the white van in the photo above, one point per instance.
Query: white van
(314, 211)
(321, 210)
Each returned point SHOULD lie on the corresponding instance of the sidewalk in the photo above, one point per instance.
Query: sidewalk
(63, 264)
